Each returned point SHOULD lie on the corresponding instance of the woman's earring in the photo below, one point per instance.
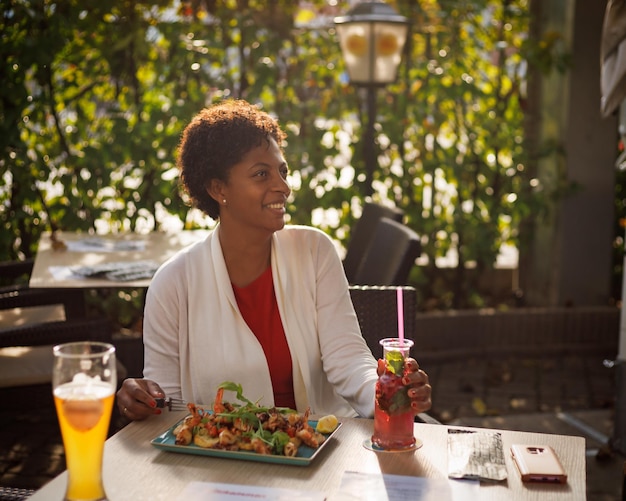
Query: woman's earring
(224, 201)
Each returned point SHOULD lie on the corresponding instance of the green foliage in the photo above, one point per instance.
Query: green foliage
(96, 93)
(468, 179)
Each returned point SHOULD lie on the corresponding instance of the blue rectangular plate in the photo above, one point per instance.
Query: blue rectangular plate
(167, 442)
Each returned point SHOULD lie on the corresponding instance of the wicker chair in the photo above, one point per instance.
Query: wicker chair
(377, 311)
(15, 494)
(74, 326)
(37, 319)
(15, 292)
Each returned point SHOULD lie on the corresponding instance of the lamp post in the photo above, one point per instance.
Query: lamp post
(372, 36)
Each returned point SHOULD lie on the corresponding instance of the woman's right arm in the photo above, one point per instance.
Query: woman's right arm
(136, 397)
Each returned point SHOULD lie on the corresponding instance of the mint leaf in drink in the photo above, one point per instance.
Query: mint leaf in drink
(395, 362)
(400, 402)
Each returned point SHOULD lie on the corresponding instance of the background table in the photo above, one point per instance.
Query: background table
(159, 247)
(134, 469)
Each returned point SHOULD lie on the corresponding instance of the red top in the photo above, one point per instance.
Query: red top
(257, 303)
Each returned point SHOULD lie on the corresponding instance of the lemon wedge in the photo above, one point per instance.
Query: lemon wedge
(327, 424)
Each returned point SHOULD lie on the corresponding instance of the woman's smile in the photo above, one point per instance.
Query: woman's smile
(276, 206)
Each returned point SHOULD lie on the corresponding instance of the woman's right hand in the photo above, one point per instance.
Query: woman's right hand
(136, 398)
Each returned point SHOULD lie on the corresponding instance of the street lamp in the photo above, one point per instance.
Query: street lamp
(372, 36)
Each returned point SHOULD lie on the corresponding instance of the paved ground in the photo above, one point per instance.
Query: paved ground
(569, 395)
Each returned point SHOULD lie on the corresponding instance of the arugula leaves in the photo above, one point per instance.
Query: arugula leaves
(237, 388)
(249, 414)
(252, 406)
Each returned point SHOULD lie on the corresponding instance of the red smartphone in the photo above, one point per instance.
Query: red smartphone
(538, 463)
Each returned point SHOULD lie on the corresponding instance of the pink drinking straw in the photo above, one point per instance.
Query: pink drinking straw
(400, 315)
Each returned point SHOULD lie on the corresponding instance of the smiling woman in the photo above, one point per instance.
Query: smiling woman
(217, 139)
(258, 301)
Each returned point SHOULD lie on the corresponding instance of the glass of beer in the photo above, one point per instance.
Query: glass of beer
(84, 379)
(393, 415)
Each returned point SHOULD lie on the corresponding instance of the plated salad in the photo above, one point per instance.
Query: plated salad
(247, 426)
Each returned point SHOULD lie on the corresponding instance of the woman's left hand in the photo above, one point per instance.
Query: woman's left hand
(417, 381)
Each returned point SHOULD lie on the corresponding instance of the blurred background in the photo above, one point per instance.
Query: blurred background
(490, 139)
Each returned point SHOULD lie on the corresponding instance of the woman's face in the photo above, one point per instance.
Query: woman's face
(256, 190)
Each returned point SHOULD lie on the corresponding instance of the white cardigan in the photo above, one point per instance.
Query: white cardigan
(195, 337)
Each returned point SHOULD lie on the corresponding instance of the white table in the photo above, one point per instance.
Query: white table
(157, 247)
(136, 470)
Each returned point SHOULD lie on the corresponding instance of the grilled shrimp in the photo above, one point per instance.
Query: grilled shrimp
(196, 415)
(310, 437)
(227, 437)
(202, 438)
(259, 446)
(275, 422)
(183, 434)
(218, 406)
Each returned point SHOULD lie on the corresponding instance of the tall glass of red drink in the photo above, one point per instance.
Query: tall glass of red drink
(393, 415)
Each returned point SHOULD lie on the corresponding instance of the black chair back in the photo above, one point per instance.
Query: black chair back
(362, 234)
(390, 255)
